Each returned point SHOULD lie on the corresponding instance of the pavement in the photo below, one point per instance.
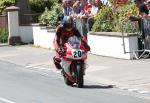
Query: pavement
(131, 75)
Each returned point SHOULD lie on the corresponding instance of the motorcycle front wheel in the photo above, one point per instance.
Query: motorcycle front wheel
(80, 79)
(67, 81)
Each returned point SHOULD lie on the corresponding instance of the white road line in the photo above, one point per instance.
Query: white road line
(144, 92)
(6, 100)
(93, 68)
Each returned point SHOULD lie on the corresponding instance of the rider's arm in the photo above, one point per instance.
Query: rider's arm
(58, 34)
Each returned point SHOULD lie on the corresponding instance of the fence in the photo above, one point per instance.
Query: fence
(3, 21)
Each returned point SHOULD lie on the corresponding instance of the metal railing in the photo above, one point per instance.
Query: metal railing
(145, 39)
(142, 28)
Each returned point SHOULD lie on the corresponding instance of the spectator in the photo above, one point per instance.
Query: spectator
(96, 7)
(141, 4)
(88, 7)
(143, 14)
(76, 7)
(148, 6)
(67, 5)
(82, 5)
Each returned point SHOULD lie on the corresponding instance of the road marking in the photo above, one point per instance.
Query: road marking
(144, 92)
(93, 68)
(6, 100)
(96, 68)
(133, 89)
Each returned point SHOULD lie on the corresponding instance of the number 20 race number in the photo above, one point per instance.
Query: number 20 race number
(77, 54)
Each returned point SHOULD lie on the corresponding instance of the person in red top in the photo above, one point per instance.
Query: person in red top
(63, 32)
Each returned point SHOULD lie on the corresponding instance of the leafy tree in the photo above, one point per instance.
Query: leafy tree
(5, 3)
(39, 6)
(111, 17)
(3, 35)
(49, 17)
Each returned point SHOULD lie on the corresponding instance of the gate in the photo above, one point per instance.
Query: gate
(3, 29)
(3, 22)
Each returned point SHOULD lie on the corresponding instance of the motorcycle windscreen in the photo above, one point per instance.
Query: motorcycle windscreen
(75, 42)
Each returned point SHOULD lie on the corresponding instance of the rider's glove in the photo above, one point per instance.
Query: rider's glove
(61, 52)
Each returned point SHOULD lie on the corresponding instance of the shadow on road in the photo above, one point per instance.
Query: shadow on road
(98, 86)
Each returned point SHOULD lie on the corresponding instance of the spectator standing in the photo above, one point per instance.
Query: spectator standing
(96, 7)
(141, 4)
(67, 8)
(76, 8)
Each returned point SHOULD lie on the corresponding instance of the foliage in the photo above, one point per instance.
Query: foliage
(5, 3)
(3, 35)
(39, 6)
(104, 20)
(50, 16)
(113, 17)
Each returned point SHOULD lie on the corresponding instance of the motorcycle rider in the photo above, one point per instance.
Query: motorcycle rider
(63, 32)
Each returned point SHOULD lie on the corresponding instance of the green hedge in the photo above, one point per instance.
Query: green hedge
(49, 17)
(6, 3)
(3, 35)
(111, 18)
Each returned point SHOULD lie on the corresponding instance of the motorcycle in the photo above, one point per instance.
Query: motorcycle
(73, 62)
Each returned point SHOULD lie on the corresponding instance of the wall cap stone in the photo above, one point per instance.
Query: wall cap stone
(13, 8)
(113, 34)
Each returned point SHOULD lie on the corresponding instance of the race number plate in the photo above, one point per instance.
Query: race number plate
(77, 54)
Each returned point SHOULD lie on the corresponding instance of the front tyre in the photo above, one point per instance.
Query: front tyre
(80, 79)
(67, 81)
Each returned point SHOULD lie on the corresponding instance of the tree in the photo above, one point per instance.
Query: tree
(5, 3)
(39, 6)
(111, 17)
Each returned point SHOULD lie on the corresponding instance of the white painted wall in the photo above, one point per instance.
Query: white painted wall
(112, 46)
(43, 38)
(26, 33)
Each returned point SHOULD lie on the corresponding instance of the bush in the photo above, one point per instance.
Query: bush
(38, 6)
(104, 20)
(3, 35)
(112, 18)
(5, 3)
(49, 17)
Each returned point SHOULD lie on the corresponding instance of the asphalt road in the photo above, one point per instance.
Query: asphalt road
(19, 84)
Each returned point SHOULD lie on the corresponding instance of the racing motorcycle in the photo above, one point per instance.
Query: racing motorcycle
(73, 62)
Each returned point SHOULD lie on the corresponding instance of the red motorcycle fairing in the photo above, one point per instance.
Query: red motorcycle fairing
(71, 53)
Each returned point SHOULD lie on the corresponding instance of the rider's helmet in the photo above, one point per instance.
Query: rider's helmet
(68, 22)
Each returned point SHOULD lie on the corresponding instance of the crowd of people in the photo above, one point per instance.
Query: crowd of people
(75, 15)
(144, 23)
(81, 11)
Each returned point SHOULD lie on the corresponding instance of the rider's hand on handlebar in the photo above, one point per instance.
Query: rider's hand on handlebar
(61, 52)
